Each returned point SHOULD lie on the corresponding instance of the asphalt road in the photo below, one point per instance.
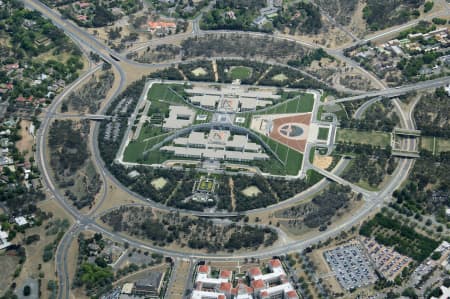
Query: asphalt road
(397, 91)
(88, 221)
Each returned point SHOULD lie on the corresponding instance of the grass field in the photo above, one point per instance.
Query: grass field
(323, 133)
(381, 139)
(304, 104)
(206, 185)
(435, 145)
(163, 92)
(312, 152)
(240, 72)
(162, 96)
(291, 158)
(149, 136)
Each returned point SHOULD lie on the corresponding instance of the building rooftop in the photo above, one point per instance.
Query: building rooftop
(225, 287)
(258, 284)
(275, 263)
(225, 274)
(21, 220)
(127, 288)
(203, 269)
(255, 271)
(179, 117)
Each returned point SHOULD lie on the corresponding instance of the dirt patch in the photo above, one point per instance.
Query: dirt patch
(141, 274)
(72, 260)
(52, 206)
(9, 265)
(159, 183)
(199, 72)
(358, 24)
(179, 280)
(233, 196)
(216, 74)
(251, 191)
(25, 145)
(116, 196)
(322, 162)
(280, 77)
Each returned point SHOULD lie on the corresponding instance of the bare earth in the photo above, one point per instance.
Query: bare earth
(322, 162)
(27, 141)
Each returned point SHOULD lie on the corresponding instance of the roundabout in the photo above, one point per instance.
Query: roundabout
(280, 138)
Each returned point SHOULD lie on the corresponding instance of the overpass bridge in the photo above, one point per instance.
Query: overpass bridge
(397, 91)
(407, 132)
(335, 178)
(405, 154)
(82, 116)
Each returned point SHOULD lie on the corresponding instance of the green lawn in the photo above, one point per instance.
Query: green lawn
(291, 158)
(428, 143)
(240, 72)
(162, 96)
(301, 105)
(149, 131)
(134, 151)
(443, 144)
(313, 176)
(381, 139)
(149, 136)
(312, 152)
(159, 107)
(294, 162)
(323, 133)
(163, 92)
(206, 185)
(435, 145)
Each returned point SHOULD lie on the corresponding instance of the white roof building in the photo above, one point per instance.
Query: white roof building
(3, 239)
(217, 145)
(231, 98)
(179, 117)
(445, 293)
(21, 220)
(127, 288)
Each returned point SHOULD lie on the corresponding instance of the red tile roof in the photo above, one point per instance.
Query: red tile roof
(22, 99)
(84, 4)
(225, 287)
(156, 25)
(13, 66)
(258, 284)
(242, 289)
(225, 274)
(292, 294)
(221, 297)
(255, 271)
(275, 263)
(203, 269)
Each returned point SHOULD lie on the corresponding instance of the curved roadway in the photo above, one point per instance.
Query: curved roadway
(87, 221)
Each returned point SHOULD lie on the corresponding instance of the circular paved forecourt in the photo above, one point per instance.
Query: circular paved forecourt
(292, 131)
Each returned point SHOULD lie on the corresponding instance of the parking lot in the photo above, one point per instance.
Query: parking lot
(389, 262)
(351, 266)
